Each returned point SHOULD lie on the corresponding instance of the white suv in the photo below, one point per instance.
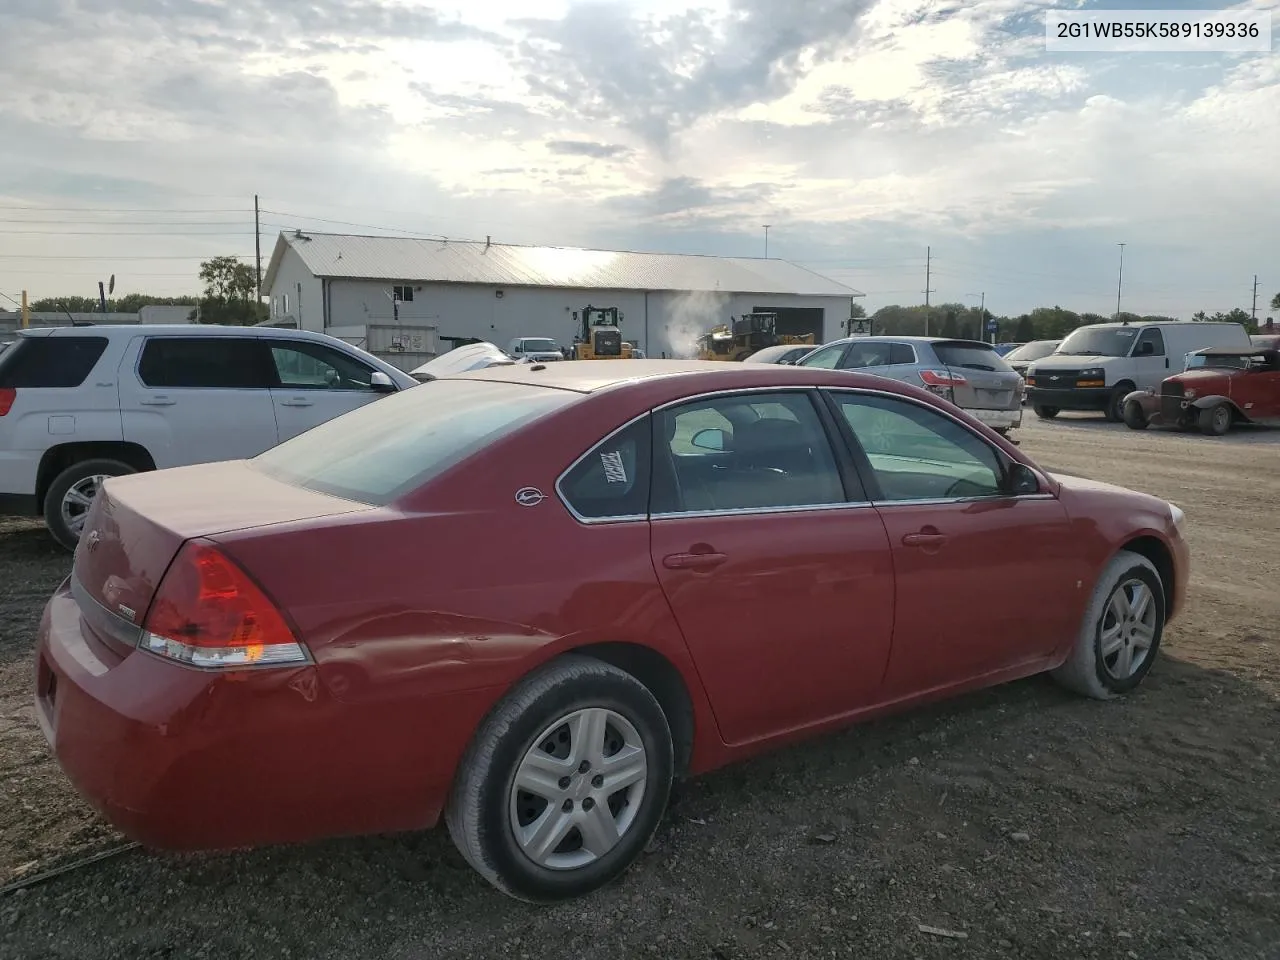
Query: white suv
(80, 404)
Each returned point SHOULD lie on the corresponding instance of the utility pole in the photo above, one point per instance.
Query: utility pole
(928, 275)
(1120, 282)
(766, 240)
(257, 244)
(1255, 299)
(26, 311)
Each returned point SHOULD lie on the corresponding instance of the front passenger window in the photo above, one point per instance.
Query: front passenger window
(919, 454)
(825, 359)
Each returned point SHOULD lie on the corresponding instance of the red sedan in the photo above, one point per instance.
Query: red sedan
(526, 598)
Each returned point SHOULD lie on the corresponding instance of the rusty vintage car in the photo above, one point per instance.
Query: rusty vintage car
(1221, 387)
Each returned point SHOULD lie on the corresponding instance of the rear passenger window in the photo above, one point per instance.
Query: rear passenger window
(50, 361)
(211, 362)
(612, 481)
(901, 353)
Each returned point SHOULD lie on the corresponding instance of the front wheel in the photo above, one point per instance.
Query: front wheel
(67, 502)
(1045, 413)
(1115, 402)
(564, 783)
(1121, 632)
(1216, 420)
(1134, 416)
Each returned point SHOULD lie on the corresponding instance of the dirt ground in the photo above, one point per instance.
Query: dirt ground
(1024, 822)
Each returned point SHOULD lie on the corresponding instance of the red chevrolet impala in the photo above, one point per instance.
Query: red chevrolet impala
(524, 599)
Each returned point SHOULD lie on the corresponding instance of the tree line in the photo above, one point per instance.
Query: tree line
(1043, 323)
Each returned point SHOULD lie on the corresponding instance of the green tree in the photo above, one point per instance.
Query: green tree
(230, 293)
(1275, 302)
(1024, 330)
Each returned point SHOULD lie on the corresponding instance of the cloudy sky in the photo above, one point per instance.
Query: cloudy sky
(134, 134)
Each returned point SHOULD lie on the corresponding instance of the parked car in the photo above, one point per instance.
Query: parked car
(535, 349)
(471, 356)
(969, 373)
(1004, 349)
(1222, 386)
(783, 353)
(1098, 366)
(1268, 341)
(80, 404)
(464, 604)
(1020, 358)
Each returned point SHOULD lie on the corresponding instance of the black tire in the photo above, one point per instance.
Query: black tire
(1134, 416)
(62, 527)
(1115, 402)
(480, 808)
(1087, 671)
(1215, 421)
(1045, 413)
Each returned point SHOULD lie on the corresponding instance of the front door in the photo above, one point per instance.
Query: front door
(780, 581)
(194, 399)
(314, 384)
(1150, 361)
(985, 580)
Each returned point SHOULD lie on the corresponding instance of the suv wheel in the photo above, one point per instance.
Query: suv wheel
(67, 502)
(1045, 413)
(1115, 403)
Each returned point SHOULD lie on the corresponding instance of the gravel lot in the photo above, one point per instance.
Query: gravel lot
(1025, 823)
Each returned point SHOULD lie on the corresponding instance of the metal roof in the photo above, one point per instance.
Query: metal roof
(343, 256)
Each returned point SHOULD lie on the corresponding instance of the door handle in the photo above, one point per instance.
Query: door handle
(924, 539)
(297, 402)
(157, 402)
(693, 561)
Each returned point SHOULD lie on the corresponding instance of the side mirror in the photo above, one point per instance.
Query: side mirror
(382, 383)
(1022, 480)
(712, 438)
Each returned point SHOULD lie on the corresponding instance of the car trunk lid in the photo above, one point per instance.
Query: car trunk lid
(138, 523)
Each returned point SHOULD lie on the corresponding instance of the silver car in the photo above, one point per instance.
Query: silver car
(783, 353)
(1020, 358)
(969, 373)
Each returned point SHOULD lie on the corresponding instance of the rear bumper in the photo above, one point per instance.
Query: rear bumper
(998, 419)
(1088, 398)
(182, 759)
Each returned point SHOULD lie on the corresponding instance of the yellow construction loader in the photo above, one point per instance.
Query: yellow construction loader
(746, 335)
(600, 335)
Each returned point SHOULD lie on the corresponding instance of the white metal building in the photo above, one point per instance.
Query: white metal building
(420, 297)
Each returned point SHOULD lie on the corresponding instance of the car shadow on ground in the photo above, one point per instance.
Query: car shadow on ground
(1035, 823)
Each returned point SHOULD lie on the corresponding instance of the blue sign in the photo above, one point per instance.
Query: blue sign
(992, 326)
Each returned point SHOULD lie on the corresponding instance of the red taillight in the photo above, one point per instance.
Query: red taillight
(942, 378)
(209, 613)
(7, 396)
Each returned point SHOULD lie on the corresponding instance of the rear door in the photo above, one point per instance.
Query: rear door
(314, 383)
(982, 380)
(779, 575)
(194, 399)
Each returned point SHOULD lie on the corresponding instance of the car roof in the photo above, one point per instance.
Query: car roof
(914, 340)
(1252, 351)
(173, 330)
(593, 376)
(778, 349)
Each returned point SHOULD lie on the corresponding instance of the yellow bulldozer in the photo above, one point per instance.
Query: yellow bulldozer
(600, 335)
(746, 335)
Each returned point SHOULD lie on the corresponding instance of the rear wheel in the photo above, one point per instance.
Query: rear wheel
(1134, 416)
(1216, 420)
(564, 783)
(67, 502)
(1046, 413)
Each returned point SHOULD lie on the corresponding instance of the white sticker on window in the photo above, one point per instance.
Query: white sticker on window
(614, 471)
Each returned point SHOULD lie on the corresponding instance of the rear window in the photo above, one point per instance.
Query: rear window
(50, 361)
(386, 448)
(970, 356)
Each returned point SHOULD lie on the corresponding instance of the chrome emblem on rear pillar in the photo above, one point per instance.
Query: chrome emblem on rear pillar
(128, 613)
(529, 496)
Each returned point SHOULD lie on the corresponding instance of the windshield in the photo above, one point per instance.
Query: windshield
(386, 448)
(970, 356)
(540, 346)
(1099, 342)
(1036, 350)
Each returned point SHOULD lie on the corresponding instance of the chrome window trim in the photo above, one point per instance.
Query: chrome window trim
(764, 511)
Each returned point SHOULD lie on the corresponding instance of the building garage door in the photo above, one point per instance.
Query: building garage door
(798, 321)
